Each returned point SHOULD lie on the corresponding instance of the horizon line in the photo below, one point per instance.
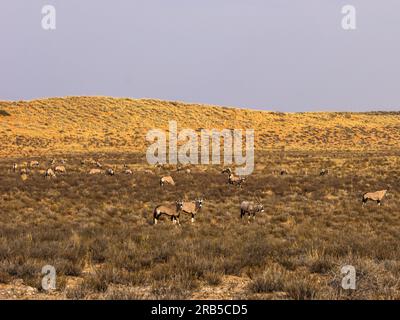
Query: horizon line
(256, 109)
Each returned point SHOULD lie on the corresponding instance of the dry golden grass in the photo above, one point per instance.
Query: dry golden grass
(97, 230)
(90, 124)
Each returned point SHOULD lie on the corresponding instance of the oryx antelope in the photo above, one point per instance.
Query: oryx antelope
(323, 172)
(227, 170)
(25, 171)
(232, 179)
(237, 181)
(110, 172)
(33, 164)
(15, 167)
(374, 196)
(167, 180)
(60, 169)
(284, 172)
(192, 207)
(95, 171)
(173, 213)
(250, 208)
(49, 174)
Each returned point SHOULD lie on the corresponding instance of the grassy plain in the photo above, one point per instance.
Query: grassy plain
(97, 230)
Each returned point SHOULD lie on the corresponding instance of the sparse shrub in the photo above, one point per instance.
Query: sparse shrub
(95, 283)
(322, 265)
(177, 286)
(97, 250)
(77, 293)
(272, 280)
(213, 278)
(121, 294)
(300, 288)
(4, 277)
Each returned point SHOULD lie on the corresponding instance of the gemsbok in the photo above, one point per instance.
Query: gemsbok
(34, 164)
(374, 196)
(110, 172)
(251, 209)
(283, 172)
(172, 213)
(49, 174)
(94, 171)
(15, 167)
(167, 180)
(24, 171)
(232, 179)
(60, 169)
(236, 181)
(227, 170)
(192, 207)
(323, 172)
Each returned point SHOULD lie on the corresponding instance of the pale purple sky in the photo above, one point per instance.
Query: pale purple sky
(281, 55)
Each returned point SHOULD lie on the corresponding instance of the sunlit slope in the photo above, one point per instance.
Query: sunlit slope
(86, 124)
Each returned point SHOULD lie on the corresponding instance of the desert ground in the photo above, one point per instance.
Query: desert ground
(98, 231)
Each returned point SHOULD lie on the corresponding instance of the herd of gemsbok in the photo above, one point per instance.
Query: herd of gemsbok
(191, 208)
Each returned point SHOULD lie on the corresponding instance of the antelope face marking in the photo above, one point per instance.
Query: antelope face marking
(261, 208)
(179, 204)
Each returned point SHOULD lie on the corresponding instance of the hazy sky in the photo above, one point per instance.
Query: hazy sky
(281, 55)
